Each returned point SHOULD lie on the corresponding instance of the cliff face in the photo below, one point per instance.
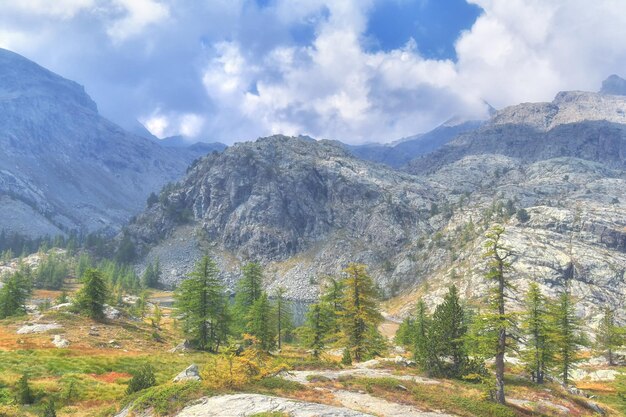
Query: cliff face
(62, 166)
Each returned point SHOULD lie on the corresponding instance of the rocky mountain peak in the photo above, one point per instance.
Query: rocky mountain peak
(22, 79)
(567, 107)
(614, 85)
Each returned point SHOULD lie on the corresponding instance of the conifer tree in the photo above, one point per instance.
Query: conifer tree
(423, 348)
(284, 321)
(332, 297)
(261, 323)
(566, 335)
(497, 254)
(535, 325)
(249, 289)
(448, 335)
(609, 336)
(147, 279)
(14, 294)
(360, 315)
(92, 296)
(24, 394)
(204, 306)
(317, 326)
(405, 335)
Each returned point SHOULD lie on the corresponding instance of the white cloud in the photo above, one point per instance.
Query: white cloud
(63, 9)
(162, 125)
(229, 70)
(137, 15)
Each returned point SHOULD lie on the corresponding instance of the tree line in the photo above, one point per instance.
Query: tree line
(456, 341)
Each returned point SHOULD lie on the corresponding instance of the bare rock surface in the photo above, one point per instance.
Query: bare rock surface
(249, 404)
(381, 407)
(38, 328)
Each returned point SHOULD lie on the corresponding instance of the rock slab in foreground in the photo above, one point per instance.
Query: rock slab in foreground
(249, 404)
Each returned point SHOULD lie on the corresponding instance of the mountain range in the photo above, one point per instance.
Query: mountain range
(65, 168)
(414, 211)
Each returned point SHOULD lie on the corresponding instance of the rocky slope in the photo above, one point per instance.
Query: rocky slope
(306, 208)
(62, 166)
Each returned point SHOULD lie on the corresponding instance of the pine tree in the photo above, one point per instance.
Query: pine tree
(497, 254)
(448, 335)
(204, 305)
(535, 327)
(405, 335)
(316, 327)
(422, 346)
(261, 323)
(24, 394)
(248, 290)
(92, 296)
(609, 337)
(360, 315)
(14, 294)
(284, 321)
(566, 336)
(332, 297)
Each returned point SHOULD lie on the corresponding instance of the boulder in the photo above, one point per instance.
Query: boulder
(111, 313)
(190, 374)
(60, 342)
(184, 346)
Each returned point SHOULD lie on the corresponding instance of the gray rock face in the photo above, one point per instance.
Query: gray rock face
(38, 328)
(62, 166)
(281, 197)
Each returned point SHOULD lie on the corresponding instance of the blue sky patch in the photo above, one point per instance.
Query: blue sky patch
(434, 24)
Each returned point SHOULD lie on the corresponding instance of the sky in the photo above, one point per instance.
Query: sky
(353, 70)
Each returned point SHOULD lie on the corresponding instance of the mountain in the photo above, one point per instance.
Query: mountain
(614, 85)
(305, 209)
(399, 153)
(280, 199)
(64, 167)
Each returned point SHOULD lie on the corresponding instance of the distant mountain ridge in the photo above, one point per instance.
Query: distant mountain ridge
(63, 167)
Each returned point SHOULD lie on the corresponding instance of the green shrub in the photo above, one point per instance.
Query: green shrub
(23, 393)
(142, 380)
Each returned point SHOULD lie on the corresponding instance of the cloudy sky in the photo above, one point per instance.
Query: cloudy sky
(354, 70)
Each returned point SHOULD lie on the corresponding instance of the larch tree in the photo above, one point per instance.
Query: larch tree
(609, 336)
(93, 294)
(448, 335)
(566, 335)
(360, 315)
(317, 326)
(249, 289)
(497, 256)
(14, 294)
(261, 323)
(535, 325)
(202, 301)
(284, 322)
